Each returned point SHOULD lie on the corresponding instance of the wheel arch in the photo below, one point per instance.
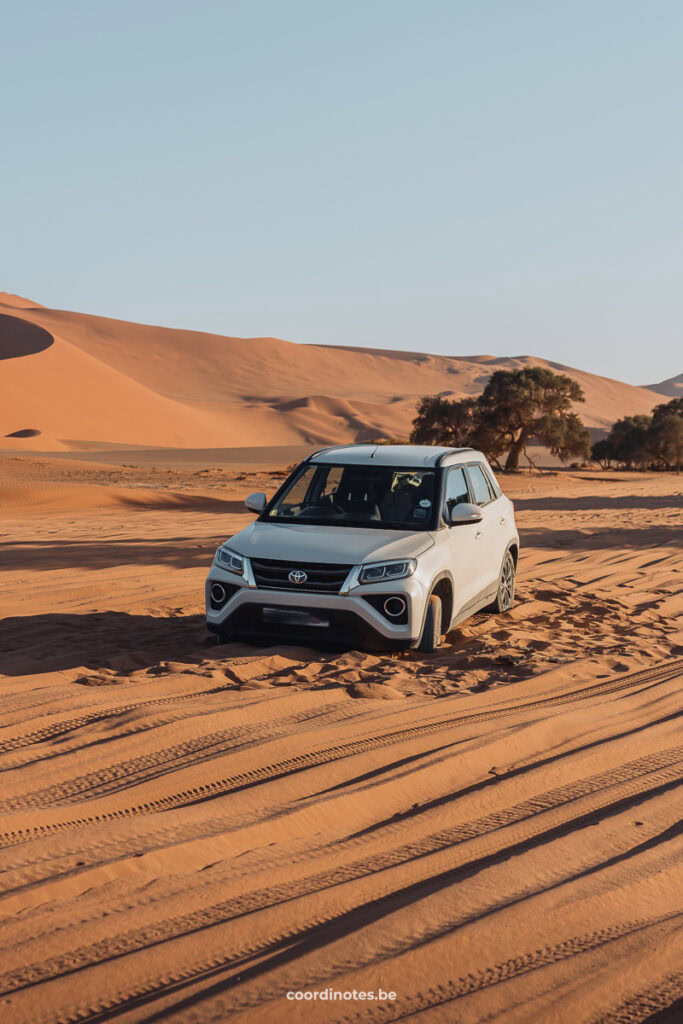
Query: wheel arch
(442, 587)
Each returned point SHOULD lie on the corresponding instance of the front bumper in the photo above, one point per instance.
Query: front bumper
(352, 619)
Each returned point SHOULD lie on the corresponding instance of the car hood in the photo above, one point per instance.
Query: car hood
(343, 544)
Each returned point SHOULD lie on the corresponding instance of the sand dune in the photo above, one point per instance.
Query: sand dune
(102, 380)
(671, 388)
(68, 393)
(52, 389)
(18, 301)
(189, 832)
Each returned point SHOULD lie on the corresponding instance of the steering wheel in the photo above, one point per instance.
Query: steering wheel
(329, 505)
(321, 511)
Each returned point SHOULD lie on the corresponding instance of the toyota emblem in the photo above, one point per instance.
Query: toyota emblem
(297, 576)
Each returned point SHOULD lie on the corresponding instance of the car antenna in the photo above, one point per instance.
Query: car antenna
(375, 451)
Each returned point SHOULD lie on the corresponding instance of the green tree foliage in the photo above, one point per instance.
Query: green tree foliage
(666, 434)
(602, 453)
(515, 408)
(672, 408)
(629, 438)
(440, 420)
(642, 442)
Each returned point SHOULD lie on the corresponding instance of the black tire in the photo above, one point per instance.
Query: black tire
(505, 598)
(431, 631)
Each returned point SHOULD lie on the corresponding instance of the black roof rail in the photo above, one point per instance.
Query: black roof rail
(335, 447)
(369, 444)
(451, 451)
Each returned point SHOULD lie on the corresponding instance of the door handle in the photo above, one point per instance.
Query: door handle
(503, 520)
(477, 535)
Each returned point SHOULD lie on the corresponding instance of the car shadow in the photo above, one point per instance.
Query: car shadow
(111, 640)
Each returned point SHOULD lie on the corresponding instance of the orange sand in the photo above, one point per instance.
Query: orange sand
(190, 831)
(69, 380)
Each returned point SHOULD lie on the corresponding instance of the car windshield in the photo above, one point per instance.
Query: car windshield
(380, 496)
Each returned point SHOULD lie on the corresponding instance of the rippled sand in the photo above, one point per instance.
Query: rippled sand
(190, 832)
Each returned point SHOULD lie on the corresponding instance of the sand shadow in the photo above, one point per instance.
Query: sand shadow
(604, 539)
(100, 640)
(21, 338)
(574, 504)
(26, 432)
(183, 503)
(43, 555)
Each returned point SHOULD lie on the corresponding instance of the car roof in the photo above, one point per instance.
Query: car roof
(416, 456)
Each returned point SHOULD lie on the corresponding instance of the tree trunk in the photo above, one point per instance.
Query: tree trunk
(512, 462)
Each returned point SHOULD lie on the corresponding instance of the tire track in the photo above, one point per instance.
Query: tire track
(60, 728)
(149, 990)
(641, 1007)
(21, 701)
(65, 793)
(500, 972)
(57, 729)
(146, 767)
(31, 870)
(634, 778)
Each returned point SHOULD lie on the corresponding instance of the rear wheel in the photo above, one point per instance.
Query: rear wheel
(506, 585)
(431, 632)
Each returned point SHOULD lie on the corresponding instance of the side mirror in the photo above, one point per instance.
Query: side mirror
(256, 502)
(465, 513)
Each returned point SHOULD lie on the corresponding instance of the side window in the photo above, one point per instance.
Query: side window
(456, 488)
(329, 487)
(480, 487)
(493, 483)
(296, 494)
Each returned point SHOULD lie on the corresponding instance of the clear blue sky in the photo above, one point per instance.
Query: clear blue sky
(456, 177)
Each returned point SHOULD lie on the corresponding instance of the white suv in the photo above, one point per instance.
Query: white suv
(374, 546)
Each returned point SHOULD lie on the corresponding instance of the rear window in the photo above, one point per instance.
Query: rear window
(481, 491)
(493, 483)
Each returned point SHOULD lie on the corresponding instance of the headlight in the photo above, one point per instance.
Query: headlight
(381, 572)
(229, 560)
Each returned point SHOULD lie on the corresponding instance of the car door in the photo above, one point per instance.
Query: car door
(463, 549)
(488, 533)
(501, 512)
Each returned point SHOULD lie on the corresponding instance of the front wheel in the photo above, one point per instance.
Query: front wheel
(431, 632)
(222, 637)
(506, 585)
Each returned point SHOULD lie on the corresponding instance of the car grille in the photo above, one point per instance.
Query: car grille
(321, 577)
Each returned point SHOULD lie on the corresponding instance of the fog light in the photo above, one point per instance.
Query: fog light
(218, 594)
(395, 607)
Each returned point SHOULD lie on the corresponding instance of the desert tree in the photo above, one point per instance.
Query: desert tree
(534, 404)
(602, 452)
(665, 434)
(630, 441)
(515, 408)
(566, 437)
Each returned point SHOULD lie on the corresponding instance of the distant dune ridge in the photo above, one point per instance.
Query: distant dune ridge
(70, 379)
(671, 388)
(18, 301)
